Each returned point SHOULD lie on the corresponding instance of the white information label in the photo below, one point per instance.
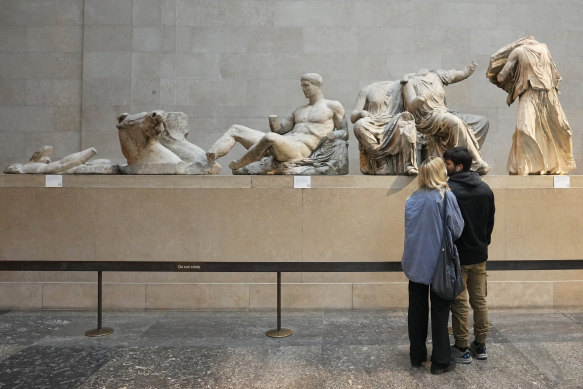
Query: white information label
(302, 182)
(562, 181)
(53, 181)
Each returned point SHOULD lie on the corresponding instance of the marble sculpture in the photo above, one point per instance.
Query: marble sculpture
(155, 143)
(312, 140)
(424, 97)
(541, 143)
(40, 163)
(386, 133)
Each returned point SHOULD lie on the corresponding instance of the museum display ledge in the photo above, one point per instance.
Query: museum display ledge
(279, 181)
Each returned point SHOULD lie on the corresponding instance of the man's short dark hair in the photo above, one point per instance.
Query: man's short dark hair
(459, 156)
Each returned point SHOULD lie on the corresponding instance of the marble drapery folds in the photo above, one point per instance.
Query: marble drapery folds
(542, 142)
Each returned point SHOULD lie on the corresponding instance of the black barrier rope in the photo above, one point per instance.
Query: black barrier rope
(278, 267)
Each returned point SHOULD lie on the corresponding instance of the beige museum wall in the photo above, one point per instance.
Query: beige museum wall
(68, 68)
(245, 218)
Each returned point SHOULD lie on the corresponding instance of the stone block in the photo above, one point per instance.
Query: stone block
(53, 92)
(21, 296)
(67, 118)
(107, 65)
(568, 293)
(270, 239)
(330, 40)
(520, 294)
(69, 12)
(199, 13)
(69, 295)
(303, 13)
(107, 38)
(365, 14)
(275, 40)
(167, 94)
(218, 93)
(399, 41)
(146, 92)
(457, 14)
(146, 66)
(160, 234)
(262, 93)
(169, 40)
(168, 12)
(353, 278)
(272, 182)
(60, 39)
(168, 68)
(189, 296)
(109, 92)
(301, 296)
(108, 12)
(41, 65)
(12, 148)
(247, 66)
(26, 118)
(47, 276)
(13, 38)
(340, 214)
(29, 13)
(52, 238)
(380, 296)
(124, 296)
(542, 232)
(147, 39)
(497, 249)
(211, 40)
(556, 276)
(12, 91)
(147, 12)
(245, 13)
(197, 66)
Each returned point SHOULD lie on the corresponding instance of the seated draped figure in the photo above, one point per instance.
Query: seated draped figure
(155, 143)
(312, 140)
(386, 133)
(442, 128)
(40, 163)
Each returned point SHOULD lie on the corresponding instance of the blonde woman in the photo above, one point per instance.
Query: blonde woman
(423, 234)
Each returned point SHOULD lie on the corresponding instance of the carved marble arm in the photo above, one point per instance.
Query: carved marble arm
(461, 75)
(508, 66)
(359, 111)
(338, 118)
(285, 126)
(412, 101)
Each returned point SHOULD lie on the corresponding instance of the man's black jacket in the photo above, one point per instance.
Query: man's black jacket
(476, 202)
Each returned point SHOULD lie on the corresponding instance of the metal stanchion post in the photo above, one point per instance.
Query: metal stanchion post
(279, 332)
(99, 331)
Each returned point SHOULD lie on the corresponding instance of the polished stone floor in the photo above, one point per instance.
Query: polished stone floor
(329, 349)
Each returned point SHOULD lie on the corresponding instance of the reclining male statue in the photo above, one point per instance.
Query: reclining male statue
(76, 163)
(304, 143)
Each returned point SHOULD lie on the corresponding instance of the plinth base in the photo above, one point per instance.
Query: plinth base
(99, 332)
(281, 333)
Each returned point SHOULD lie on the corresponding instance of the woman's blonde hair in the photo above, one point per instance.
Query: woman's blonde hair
(433, 175)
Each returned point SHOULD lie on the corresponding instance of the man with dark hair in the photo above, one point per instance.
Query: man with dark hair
(476, 202)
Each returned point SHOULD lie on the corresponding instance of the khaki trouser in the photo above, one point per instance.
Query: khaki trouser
(476, 289)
